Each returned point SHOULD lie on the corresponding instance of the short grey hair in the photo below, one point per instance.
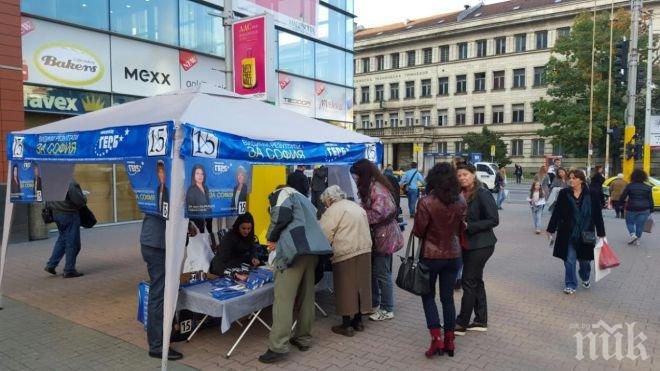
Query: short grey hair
(332, 194)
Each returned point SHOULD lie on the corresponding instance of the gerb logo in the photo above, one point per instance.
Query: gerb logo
(608, 341)
(109, 141)
(17, 147)
(220, 168)
(370, 153)
(68, 64)
(134, 168)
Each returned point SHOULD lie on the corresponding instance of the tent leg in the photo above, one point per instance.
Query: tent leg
(255, 316)
(324, 313)
(6, 229)
(199, 325)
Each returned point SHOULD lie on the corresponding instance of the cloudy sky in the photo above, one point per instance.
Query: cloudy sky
(372, 13)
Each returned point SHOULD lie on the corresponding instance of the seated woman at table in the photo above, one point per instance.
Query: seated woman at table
(238, 246)
(346, 226)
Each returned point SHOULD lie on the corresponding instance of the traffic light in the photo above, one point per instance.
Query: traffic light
(621, 62)
(640, 81)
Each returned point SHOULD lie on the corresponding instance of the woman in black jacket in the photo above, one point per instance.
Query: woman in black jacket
(482, 217)
(576, 214)
(638, 198)
(237, 247)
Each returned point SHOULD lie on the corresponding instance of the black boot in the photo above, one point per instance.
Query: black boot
(271, 357)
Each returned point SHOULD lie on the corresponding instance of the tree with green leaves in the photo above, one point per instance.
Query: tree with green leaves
(481, 142)
(565, 114)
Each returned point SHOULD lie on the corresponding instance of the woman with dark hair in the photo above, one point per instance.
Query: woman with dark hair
(536, 202)
(197, 199)
(15, 189)
(237, 247)
(239, 197)
(638, 198)
(376, 199)
(577, 213)
(596, 185)
(482, 217)
(561, 180)
(439, 223)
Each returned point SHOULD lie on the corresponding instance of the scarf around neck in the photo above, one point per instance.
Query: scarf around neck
(581, 216)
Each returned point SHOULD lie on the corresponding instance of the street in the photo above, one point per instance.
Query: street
(532, 325)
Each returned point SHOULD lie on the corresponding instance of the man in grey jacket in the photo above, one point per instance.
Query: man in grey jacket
(297, 238)
(67, 218)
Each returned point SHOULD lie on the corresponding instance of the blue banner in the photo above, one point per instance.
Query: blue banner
(200, 142)
(107, 145)
(150, 179)
(25, 185)
(216, 188)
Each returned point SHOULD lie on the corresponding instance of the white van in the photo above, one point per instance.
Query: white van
(486, 172)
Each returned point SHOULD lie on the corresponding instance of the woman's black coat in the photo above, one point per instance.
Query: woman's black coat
(482, 217)
(234, 251)
(562, 222)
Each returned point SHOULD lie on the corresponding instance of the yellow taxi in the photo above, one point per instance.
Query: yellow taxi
(653, 182)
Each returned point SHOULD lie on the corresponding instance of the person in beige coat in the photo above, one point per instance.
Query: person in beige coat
(346, 225)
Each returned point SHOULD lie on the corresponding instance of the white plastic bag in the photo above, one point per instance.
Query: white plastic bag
(600, 273)
(198, 254)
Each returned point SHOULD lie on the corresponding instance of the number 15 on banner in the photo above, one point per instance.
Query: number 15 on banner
(157, 141)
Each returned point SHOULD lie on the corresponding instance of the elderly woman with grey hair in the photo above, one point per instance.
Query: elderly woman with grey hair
(346, 225)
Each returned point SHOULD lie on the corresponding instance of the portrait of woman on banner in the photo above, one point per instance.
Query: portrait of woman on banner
(239, 198)
(198, 203)
(15, 189)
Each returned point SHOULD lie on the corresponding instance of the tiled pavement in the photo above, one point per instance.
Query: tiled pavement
(531, 323)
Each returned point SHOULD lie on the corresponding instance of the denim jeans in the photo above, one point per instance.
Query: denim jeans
(474, 291)
(571, 277)
(412, 194)
(635, 221)
(537, 211)
(155, 259)
(445, 271)
(68, 242)
(382, 293)
(500, 197)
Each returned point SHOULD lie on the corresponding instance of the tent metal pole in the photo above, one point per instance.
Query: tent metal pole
(6, 230)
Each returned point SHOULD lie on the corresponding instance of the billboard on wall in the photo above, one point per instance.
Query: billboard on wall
(143, 69)
(197, 70)
(296, 94)
(296, 15)
(59, 55)
(330, 102)
(63, 101)
(254, 53)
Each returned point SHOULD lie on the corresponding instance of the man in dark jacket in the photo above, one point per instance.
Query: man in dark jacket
(67, 218)
(298, 181)
(319, 184)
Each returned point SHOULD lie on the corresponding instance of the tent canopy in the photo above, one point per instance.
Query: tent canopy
(215, 109)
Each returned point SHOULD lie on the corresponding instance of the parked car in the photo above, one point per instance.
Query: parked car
(653, 182)
(486, 172)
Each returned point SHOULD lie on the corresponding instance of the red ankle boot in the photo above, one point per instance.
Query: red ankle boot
(449, 343)
(436, 343)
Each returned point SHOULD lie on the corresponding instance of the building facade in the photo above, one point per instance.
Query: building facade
(422, 84)
(83, 55)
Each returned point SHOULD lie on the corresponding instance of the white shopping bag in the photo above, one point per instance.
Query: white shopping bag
(600, 273)
(550, 202)
(198, 253)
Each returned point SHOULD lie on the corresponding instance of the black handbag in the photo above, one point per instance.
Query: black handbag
(413, 276)
(588, 237)
(87, 218)
(47, 215)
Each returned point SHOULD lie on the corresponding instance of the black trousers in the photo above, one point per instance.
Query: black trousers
(155, 259)
(474, 292)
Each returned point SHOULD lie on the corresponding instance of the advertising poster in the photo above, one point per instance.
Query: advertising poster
(330, 102)
(150, 179)
(59, 55)
(65, 101)
(295, 15)
(296, 94)
(253, 57)
(25, 185)
(216, 188)
(654, 140)
(199, 70)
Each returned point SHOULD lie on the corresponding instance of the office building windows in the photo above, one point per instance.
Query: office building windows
(379, 120)
(410, 89)
(479, 116)
(394, 119)
(296, 54)
(199, 30)
(394, 59)
(444, 53)
(462, 50)
(443, 86)
(410, 118)
(460, 116)
(521, 43)
(459, 147)
(428, 55)
(498, 114)
(480, 82)
(539, 76)
(481, 48)
(541, 39)
(380, 63)
(331, 26)
(426, 118)
(90, 13)
(516, 147)
(394, 91)
(365, 95)
(442, 117)
(518, 113)
(365, 65)
(365, 121)
(461, 84)
(563, 32)
(538, 147)
(153, 20)
(498, 80)
(442, 147)
(519, 78)
(328, 64)
(411, 58)
(426, 88)
(380, 93)
(500, 45)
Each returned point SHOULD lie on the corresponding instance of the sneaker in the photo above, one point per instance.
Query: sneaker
(637, 241)
(459, 330)
(586, 284)
(633, 239)
(272, 357)
(569, 291)
(50, 270)
(479, 327)
(73, 274)
(381, 315)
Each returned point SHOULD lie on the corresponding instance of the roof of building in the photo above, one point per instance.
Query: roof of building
(474, 12)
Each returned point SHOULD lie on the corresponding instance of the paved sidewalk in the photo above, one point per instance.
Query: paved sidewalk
(31, 339)
(532, 325)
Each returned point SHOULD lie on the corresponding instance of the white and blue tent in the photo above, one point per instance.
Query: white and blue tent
(175, 126)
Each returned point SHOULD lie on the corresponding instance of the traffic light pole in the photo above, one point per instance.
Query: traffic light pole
(609, 96)
(629, 133)
(649, 90)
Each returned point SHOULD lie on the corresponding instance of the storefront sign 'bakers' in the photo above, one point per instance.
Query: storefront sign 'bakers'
(69, 64)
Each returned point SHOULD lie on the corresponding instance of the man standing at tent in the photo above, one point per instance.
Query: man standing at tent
(298, 181)
(297, 238)
(67, 218)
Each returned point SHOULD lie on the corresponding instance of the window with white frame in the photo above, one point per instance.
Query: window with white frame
(518, 113)
(460, 116)
(442, 117)
(498, 114)
(394, 119)
(538, 147)
(479, 116)
(410, 118)
(379, 120)
(516, 147)
(426, 118)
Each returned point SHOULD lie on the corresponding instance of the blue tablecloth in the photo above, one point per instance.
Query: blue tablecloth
(197, 298)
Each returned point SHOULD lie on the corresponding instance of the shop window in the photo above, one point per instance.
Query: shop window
(155, 20)
(90, 13)
(199, 29)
